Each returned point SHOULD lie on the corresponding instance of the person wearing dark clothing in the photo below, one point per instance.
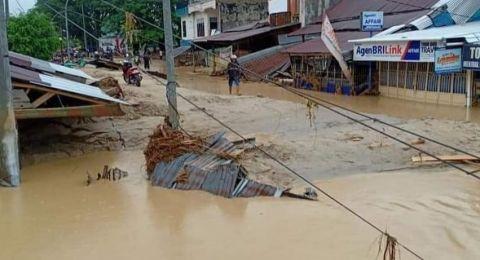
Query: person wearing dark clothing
(234, 74)
(146, 60)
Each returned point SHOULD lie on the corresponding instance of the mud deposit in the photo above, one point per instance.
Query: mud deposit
(53, 215)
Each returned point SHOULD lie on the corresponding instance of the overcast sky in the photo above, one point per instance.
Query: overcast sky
(17, 5)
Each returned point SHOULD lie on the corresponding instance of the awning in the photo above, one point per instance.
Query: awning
(469, 31)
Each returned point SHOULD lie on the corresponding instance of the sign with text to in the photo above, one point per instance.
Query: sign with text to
(371, 21)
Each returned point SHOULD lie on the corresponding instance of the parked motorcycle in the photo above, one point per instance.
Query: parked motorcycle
(131, 74)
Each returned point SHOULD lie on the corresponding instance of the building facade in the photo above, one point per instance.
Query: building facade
(203, 18)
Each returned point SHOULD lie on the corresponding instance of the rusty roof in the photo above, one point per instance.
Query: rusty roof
(346, 9)
(354, 24)
(316, 45)
(266, 65)
(44, 66)
(232, 36)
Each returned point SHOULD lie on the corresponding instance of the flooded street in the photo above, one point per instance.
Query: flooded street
(56, 216)
(365, 104)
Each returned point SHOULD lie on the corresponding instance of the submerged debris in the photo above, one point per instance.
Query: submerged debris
(204, 164)
(111, 174)
(167, 144)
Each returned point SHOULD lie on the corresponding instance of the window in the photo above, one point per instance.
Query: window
(184, 29)
(200, 27)
(213, 24)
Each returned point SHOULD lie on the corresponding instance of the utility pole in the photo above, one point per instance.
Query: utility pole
(169, 59)
(7, 10)
(84, 29)
(9, 163)
(66, 29)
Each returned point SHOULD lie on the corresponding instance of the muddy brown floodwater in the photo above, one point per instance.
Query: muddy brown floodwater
(53, 215)
(365, 104)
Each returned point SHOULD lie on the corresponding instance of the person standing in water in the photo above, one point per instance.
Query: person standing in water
(146, 60)
(234, 74)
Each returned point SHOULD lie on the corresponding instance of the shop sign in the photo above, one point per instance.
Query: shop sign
(448, 60)
(409, 51)
(471, 57)
(372, 21)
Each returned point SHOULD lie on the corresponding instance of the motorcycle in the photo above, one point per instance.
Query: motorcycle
(131, 74)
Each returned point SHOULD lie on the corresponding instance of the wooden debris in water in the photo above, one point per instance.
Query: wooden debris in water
(167, 144)
(111, 174)
(451, 158)
(390, 251)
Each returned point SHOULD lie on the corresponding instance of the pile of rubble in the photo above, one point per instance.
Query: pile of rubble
(167, 144)
(176, 160)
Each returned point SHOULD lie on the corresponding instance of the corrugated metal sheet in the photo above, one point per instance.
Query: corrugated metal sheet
(468, 30)
(210, 172)
(316, 45)
(253, 189)
(353, 8)
(389, 21)
(462, 10)
(180, 50)
(44, 66)
(60, 84)
(240, 35)
(222, 180)
(267, 65)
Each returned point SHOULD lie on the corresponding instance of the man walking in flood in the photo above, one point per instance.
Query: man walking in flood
(234, 74)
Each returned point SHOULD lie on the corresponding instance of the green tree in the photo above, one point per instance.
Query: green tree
(33, 34)
(102, 19)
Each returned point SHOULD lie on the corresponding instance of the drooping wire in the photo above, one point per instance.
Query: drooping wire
(316, 101)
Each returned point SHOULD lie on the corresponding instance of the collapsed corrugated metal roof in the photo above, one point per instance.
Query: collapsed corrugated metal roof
(45, 66)
(180, 50)
(210, 172)
(64, 85)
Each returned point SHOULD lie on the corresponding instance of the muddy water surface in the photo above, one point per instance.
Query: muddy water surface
(365, 104)
(53, 215)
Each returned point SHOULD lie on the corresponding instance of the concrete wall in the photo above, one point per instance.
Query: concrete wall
(234, 13)
(310, 9)
(192, 20)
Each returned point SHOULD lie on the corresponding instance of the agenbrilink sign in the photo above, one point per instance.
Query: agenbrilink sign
(471, 57)
(371, 21)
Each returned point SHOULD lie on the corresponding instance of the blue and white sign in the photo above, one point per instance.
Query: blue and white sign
(448, 60)
(372, 21)
(411, 51)
(471, 57)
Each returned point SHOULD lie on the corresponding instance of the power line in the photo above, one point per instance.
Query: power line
(326, 194)
(19, 5)
(330, 103)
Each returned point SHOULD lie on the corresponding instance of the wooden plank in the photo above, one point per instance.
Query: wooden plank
(450, 158)
(42, 99)
(45, 89)
(20, 99)
(81, 111)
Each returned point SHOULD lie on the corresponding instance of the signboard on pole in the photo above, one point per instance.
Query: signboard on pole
(448, 60)
(411, 51)
(371, 21)
(330, 40)
(471, 57)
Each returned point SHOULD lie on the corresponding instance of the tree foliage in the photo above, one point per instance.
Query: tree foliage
(33, 34)
(103, 19)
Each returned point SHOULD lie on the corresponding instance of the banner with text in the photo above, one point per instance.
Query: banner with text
(471, 57)
(409, 51)
(448, 60)
(330, 40)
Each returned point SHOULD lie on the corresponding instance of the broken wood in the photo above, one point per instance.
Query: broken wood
(42, 99)
(450, 158)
